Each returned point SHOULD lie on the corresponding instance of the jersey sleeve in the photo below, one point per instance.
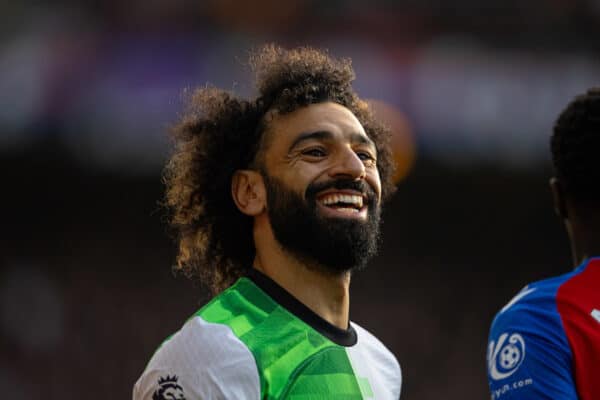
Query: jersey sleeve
(370, 358)
(528, 355)
(202, 361)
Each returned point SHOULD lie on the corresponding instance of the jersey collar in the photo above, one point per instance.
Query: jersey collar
(343, 337)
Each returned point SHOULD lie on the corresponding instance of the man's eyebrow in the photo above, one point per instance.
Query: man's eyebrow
(322, 135)
(318, 135)
(363, 139)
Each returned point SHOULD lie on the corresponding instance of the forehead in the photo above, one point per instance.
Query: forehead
(321, 117)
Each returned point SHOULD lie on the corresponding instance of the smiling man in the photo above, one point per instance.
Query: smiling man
(276, 201)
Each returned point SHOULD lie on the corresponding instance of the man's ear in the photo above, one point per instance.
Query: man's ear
(248, 192)
(559, 197)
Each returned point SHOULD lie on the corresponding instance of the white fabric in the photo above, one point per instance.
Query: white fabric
(209, 361)
(372, 360)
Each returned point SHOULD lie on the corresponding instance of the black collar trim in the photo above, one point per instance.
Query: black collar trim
(343, 337)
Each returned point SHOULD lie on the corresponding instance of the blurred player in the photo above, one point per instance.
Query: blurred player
(276, 201)
(545, 343)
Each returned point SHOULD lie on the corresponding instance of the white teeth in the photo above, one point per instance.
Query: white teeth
(355, 200)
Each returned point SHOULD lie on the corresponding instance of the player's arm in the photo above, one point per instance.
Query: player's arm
(202, 361)
(528, 357)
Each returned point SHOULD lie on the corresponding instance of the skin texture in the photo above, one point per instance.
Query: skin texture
(581, 220)
(574, 145)
(297, 157)
(220, 133)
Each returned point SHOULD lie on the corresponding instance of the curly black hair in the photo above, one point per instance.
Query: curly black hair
(575, 144)
(220, 133)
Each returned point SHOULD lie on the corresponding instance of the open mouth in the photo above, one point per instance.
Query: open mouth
(343, 202)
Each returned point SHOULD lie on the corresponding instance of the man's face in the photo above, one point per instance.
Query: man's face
(323, 187)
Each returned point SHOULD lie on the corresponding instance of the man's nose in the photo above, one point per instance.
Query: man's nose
(348, 165)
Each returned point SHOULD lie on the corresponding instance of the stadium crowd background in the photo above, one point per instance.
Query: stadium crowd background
(88, 89)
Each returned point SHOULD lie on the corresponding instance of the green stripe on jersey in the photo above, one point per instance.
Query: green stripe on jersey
(294, 361)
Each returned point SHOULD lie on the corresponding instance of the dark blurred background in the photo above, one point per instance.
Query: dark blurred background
(88, 90)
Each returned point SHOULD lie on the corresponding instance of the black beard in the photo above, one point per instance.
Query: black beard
(332, 244)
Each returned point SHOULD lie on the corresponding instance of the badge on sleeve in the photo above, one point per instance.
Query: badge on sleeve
(168, 389)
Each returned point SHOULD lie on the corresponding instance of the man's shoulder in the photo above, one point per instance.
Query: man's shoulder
(208, 356)
(197, 336)
(530, 322)
(222, 350)
(581, 289)
(544, 298)
(533, 312)
(528, 347)
(371, 343)
(383, 367)
(242, 297)
(534, 300)
(206, 360)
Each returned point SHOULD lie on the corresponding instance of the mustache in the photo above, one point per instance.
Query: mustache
(341, 184)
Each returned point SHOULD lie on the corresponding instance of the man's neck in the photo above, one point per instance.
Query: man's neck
(583, 228)
(583, 248)
(325, 294)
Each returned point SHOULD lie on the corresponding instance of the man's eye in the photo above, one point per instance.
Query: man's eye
(365, 156)
(314, 153)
